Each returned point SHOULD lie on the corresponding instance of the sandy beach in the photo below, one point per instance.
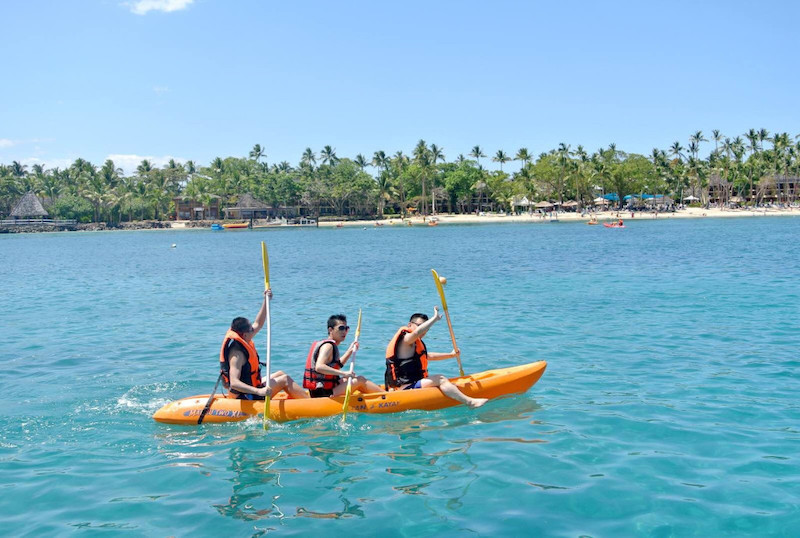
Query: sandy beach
(602, 216)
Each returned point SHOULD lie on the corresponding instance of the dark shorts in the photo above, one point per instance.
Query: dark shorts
(321, 393)
(243, 396)
(417, 385)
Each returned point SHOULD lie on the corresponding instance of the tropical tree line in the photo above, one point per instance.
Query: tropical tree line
(753, 167)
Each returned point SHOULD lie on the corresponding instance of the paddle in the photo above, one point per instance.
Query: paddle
(440, 288)
(265, 260)
(352, 366)
(209, 402)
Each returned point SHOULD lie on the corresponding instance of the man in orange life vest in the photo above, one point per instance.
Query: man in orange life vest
(407, 361)
(324, 375)
(239, 365)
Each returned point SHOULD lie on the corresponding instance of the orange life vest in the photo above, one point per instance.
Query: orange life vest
(403, 371)
(251, 372)
(313, 379)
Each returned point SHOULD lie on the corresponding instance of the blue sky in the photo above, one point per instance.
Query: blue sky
(205, 78)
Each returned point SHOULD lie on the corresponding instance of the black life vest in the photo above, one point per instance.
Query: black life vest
(313, 379)
(404, 371)
(251, 372)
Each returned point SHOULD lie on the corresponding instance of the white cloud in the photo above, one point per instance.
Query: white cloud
(6, 143)
(129, 162)
(160, 89)
(143, 7)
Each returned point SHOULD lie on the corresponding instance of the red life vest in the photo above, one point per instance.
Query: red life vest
(313, 379)
(251, 372)
(404, 371)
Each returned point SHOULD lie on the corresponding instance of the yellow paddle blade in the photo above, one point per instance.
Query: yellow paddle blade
(440, 289)
(266, 412)
(358, 325)
(265, 260)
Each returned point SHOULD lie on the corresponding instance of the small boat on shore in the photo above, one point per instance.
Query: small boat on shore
(236, 225)
(217, 227)
(488, 384)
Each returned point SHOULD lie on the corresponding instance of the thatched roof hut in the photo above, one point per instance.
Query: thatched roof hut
(248, 207)
(28, 206)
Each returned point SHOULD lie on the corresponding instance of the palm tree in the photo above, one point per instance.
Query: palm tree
(361, 161)
(19, 170)
(477, 153)
(328, 155)
(309, 158)
(717, 137)
(379, 159)
(695, 139)
(676, 150)
(437, 153)
(257, 153)
(501, 157)
(523, 155)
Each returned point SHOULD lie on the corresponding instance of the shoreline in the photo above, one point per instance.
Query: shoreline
(441, 219)
(602, 216)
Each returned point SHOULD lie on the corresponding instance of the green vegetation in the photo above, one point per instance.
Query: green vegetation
(739, 169)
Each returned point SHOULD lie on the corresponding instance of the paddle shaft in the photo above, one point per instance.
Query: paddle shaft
(440, 289)
(209, 402)
(453, 338)
(352, 368)
(265, 261)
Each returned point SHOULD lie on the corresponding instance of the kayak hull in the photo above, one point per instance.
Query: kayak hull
(488, 384)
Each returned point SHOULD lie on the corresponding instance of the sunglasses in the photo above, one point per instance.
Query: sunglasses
(343, 327)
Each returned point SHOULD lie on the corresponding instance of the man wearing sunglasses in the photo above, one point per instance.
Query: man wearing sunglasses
(407, 361)
(324, 374)
(239, 365)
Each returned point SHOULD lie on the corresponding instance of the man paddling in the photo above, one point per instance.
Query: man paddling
(323, 375)
(239, 365)
(407, 361)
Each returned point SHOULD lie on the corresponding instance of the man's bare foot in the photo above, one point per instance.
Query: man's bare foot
(477, 402)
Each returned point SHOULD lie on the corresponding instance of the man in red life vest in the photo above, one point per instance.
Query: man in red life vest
(324, 375)
(407, 361)
(239, 365)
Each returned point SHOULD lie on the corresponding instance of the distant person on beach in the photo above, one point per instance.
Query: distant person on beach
(407, 361)
(324, 375)
(239, 365)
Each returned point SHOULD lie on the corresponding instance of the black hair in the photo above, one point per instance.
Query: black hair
(241, 325)
(336, 319)
(418, 315)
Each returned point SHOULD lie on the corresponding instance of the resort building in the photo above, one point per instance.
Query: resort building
(191, 209)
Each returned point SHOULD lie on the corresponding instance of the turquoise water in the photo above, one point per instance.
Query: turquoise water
(669, 407)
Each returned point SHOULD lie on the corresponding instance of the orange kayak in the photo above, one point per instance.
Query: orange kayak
(488, 384)
(235, 225)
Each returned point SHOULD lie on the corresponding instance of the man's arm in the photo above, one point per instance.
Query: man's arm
(422, 329)
(262, 313)
(324, 357)
(237, 361)
(441, 356)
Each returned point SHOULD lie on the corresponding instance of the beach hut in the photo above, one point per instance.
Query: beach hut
(248, 207)
(543, 205)
(28, 207)
(600, 201)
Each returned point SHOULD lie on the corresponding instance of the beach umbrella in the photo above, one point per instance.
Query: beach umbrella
(691, 198)
(600, 201)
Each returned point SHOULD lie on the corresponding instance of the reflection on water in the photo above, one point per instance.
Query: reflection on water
(323, 469)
